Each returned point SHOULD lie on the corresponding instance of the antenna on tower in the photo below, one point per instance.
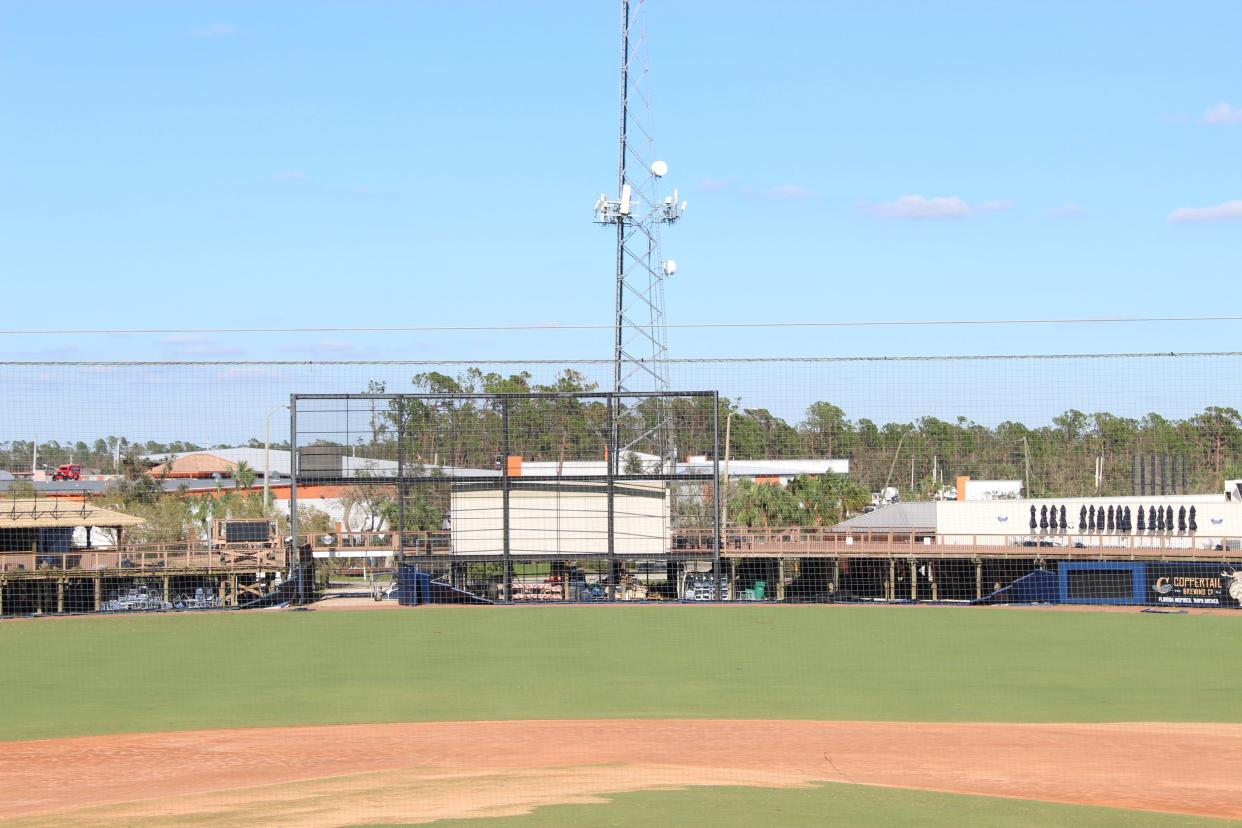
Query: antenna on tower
(641, 339)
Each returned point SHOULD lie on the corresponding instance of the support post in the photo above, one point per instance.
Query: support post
(931, 577)
(60, 595)
(1, 597)
(294, 555)
(716, 536)
(233, 589)
(98, 591)
(836, 575)
(892, 579)
(914, 579)
(401, 478)
(978, 578)
(611, 471)
(780, 579)
(507, 583)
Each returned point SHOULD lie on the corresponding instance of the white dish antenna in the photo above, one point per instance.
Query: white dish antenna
(659, 169)
(670, 267)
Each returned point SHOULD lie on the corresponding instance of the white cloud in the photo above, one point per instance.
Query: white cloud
(1067, 210)
(711, 185)
(194, 345)
(213, 30)
(1229, 211)
(1223, 113)
(936, 207)
(790, 191)
(339, 348)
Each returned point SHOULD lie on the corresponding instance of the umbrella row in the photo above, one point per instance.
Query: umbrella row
(1117, 519)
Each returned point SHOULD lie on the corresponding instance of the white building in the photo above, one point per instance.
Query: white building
(1201, 522)
(561, 519)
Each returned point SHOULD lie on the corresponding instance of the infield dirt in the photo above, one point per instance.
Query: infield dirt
(420, 772)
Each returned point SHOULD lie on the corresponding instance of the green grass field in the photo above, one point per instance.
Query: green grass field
(86, 676)
(827, 804)
(67, 677)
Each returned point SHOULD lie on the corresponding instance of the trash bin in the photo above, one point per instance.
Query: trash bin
(760, 588)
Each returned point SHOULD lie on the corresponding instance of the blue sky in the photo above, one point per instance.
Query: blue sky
(305, 164)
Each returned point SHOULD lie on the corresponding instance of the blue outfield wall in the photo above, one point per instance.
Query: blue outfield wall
(1150, 583)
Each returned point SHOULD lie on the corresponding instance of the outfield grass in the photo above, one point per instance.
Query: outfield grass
(826, 804)
(65, 677)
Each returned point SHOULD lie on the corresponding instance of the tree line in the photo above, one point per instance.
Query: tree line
(916, 457)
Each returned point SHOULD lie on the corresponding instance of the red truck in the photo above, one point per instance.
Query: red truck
(68, 471)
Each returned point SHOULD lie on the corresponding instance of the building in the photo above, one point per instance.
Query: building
(1149, 525)
(51, 525)
(561, 520)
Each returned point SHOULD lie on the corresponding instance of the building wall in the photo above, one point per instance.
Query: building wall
(989, 522)
(562, 520)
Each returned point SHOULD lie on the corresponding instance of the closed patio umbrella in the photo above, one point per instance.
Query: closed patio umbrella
(1034, 522)
(1082, 519)
(1043, 517)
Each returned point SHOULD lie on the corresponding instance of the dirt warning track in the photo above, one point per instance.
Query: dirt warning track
(425, 771)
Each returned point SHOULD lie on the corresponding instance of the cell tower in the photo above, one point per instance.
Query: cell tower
(641, 341)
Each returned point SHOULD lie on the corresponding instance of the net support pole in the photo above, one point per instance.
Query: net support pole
(716, 496)
(400, 527)
(611, 473)
(295, 551)
(506, 550)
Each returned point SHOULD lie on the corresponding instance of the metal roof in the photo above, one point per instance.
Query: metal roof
(917, 517)
(43, 513)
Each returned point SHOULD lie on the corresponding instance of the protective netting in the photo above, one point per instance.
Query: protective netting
(1080, 478)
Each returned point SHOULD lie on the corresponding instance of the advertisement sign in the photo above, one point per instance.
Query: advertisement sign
(1194, 584)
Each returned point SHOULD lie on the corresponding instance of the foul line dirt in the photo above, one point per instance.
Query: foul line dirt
(426, 771)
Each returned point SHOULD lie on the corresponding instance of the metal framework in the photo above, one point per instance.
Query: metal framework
(640, 349)
(408, 473)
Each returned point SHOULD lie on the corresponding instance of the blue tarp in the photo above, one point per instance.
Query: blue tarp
(1038, 587)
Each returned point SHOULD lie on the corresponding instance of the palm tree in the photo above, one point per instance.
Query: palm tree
(243, 475)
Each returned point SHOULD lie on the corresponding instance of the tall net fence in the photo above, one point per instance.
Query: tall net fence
(156, 485)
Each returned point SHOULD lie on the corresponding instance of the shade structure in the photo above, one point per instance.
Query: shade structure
(45, 513)
(1181, 519)
(1063, 524)
(1082, 519)
(1151, 518)
(1034, 520)
(1111, 522)
(1043, 517)
(1193, 524)
(1168, 518)
(1142, 521)
(1091, 519)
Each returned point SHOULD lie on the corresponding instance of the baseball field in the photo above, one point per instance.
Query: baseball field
(622, 715)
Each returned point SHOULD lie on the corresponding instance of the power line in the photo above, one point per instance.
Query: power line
(468, 363)
(554, 326)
